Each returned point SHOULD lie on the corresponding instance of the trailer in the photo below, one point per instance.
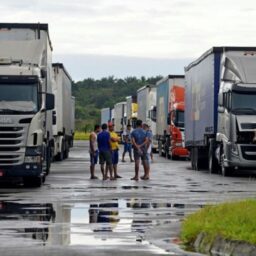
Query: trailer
(63, 127)
(170, 109)
(146, 98)
(132, 110)
(105, 115)
(220, 117)
(120, 117)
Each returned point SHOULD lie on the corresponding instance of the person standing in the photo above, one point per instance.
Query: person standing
(93, 150)
(114, 148)
(149, 136)
(139, 142)
(127, 143)
(104, 146)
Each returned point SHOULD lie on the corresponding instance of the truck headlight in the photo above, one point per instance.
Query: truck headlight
(33, 159)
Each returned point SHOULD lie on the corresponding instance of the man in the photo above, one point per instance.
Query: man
(114, 148)
(127, 143)
(93, 150)
(104, 145)
(148, 148)
(139, 141)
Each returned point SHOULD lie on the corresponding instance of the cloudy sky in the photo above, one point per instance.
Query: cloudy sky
(96, 38)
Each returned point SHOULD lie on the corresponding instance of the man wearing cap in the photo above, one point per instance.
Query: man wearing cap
(104, 146)
(114, 148)
(148, 148)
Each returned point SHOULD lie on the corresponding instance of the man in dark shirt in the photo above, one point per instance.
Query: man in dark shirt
(104, 146)
(139, 142)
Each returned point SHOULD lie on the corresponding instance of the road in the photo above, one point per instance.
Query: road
(73, 215)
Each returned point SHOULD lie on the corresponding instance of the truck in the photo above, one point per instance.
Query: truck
(63, 126)
(220, 117)
(170, 117)
(26, 102)
(132, 110)
(105, 115)
(146, 98)
(120, 117)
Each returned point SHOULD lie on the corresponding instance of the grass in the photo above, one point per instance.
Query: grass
(81, 135)
(234, 221)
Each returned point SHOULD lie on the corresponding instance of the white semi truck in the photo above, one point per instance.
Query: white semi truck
(63, 126)
(146, 99)
(26, 101)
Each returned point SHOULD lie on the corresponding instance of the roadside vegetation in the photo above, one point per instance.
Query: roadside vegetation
(81, 135)
(233, 221)
(93, 95)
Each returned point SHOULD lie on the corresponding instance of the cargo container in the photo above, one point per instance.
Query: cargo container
(63, 127)
(105, 115)
(220, 117)
(132, 110)
(120, 117)
(170, 113)
(146, 99)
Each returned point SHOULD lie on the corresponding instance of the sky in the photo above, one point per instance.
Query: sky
(97, 38)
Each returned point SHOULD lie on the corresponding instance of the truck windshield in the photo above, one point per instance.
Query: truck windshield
(18, 98)
(244, 103)
(179, 119)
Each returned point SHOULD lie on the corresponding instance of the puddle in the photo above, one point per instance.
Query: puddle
(113, 222)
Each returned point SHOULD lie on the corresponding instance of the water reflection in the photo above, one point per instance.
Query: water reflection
(106, 213)
(36, 213)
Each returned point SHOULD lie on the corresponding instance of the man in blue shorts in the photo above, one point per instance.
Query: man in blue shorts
(104, 145)
(139, 142)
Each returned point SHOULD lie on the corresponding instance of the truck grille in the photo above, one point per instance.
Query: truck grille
(249, 152)
(11, 142)
(248, 126)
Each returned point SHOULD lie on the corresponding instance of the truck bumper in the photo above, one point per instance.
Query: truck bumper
(243, 158)
(179, 151)
(24, 170)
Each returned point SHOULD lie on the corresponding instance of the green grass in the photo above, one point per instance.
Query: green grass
(234, 221)
(82, 136)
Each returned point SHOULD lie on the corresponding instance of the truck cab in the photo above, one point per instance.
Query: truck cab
(26, 102)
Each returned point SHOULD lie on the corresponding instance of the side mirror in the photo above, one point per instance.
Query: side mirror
(49, 101)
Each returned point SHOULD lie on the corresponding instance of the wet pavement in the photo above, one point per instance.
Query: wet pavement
(73, 215)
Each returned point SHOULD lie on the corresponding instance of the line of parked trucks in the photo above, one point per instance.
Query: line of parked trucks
(207, 115)
(36, 105)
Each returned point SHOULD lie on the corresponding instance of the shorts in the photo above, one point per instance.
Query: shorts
(105, 157)
(115, 156)
(140, 155)
(94, 157)
(128, 147)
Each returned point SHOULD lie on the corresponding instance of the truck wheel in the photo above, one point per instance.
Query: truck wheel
(60, 155)
(225, 171)
(48, 160)
(212, 161)
(32, 182)
(159, 148)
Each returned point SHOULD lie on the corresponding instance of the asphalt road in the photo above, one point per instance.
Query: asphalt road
(73, 215)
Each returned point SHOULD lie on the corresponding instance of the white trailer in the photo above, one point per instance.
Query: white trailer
(26, 101)
(105, 115)
(146, 99)
(120, 117)
(63, 128)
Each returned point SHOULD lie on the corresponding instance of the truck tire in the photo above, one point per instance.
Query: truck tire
(159, 148)
(225, 171)
(48, 160)
(32, 182)
(213, 165)
(60, 155)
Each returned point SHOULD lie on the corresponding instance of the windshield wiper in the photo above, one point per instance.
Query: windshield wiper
(244, 110)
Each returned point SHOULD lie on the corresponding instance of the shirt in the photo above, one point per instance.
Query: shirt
(139, 135)
(103, 139)
(93, 142)
(150, 137)
(127, 136)
(114, 144)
